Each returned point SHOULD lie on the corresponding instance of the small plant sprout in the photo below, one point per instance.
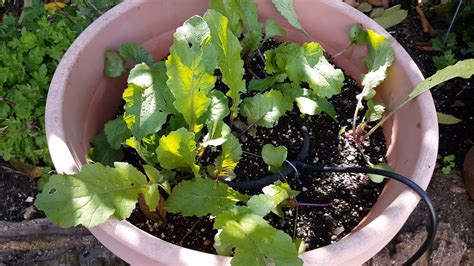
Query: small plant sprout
(447, 164)
(274, 156)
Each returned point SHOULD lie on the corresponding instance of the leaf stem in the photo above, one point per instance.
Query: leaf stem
(190, 230)
(385, 118)
(343, 51)
(296, 223)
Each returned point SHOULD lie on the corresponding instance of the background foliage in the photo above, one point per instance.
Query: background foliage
(31, 47)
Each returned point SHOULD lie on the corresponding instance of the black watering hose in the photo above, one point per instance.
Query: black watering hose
(432, 227)
(299, 166)
(264, 181)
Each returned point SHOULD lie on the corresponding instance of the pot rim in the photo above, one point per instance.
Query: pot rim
(373, 236)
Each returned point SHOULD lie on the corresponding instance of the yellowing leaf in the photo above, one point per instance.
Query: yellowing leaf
(178, 151)
(379, 59)
(227, 161)
(190, 67)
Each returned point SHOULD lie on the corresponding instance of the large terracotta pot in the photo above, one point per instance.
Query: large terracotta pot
(81, 99)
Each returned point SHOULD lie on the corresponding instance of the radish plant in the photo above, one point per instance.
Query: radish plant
(174, 114)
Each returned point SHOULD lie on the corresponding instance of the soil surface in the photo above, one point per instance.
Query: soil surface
(349, 196)
(18, 193)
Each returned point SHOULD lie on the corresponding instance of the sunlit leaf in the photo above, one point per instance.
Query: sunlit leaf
(99, 192)
(190, 67)
(200, 197)
(255, 242)
(229, 61)
(178, 151)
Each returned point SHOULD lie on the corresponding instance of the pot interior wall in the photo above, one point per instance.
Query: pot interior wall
(83, 118)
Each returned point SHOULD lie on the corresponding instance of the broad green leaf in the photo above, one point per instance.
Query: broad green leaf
(228, 48)
(287, 10)
(255, 241)
(91, 196)
(153, 174)
(307, 64)
(446, 119)
(102, 152)
(231, 10)
(135, 53)
(219, 108)
(178, 151)
(357, 34)
(274, 195)
(279, 106)
(379, 178)
(151, 196)
(364, 7)
(253, 34)
(375, 110)
(217, 135)
(114, 64)
(376, 12)
(274, 156)
(217, 129)
(462, 69)
(190, 67)
(227, 161)
(145, 152)
(255, 108)
(200, 197)
(290, 91)
(379, 59)
(265, 109)
(391, 17)
(268, 82)
(272, 29)
(314, 105)
(154, 78)
(117, 132)
(143, 114)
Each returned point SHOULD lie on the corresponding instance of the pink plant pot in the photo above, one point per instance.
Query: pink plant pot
(81, 99)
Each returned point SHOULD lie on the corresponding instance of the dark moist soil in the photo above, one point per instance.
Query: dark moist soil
(17, 193)
(350, 196)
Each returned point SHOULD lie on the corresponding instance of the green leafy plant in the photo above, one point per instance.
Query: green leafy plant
(389, 17)
(30, 50)
(447, 164)
(174, 113)
(378, 60)
(274, 156)
(445, 49)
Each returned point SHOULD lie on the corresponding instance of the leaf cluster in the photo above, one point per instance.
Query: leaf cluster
(30, 50)
(179, 108)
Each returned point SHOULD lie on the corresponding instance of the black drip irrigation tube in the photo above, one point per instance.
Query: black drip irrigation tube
(298, 166)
